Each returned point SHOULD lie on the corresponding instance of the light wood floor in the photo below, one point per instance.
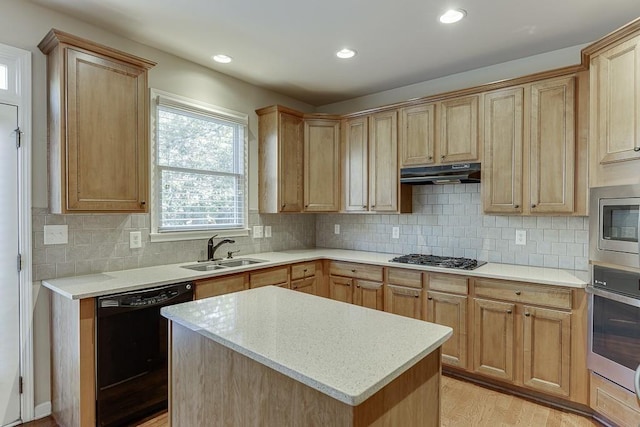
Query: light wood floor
(464, 405)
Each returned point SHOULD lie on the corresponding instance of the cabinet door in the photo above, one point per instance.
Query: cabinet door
(368, 294)
(547, 350)
(417, 135)
(206, 288)
(341, 288)
(459, 136)
(552, 146)
(321, 165)
(502, 162)
(493, 334)
(278, 276)
(106, 130)
(290, 134)
(307, 285)
(383, 161)
(403, 301)
(450, 310)
(615, 86)
(355, 160)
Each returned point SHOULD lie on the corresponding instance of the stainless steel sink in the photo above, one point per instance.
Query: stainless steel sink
(204, 266)
(225, 263)
(239, 262)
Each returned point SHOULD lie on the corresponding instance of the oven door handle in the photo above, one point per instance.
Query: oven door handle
(613, 296)
(636, 382)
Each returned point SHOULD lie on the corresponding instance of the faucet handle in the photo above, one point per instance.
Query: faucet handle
(230, 253)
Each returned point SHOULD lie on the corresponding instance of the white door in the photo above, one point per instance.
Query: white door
(9, 275)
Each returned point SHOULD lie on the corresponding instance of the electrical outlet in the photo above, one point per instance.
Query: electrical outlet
(56, 235)
(521, 237)
(135, 239)
(267, 231)
(395, 232)
(258, 231)
(336, 229)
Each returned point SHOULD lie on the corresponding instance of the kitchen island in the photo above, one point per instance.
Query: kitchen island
(275, 357)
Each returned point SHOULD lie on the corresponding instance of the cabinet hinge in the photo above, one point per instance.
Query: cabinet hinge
(20, 385)
(19, 262)
(18, 137)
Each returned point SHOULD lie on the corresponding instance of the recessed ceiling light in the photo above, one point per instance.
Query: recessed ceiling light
(346, 53)
(223, 59)
(452, 15)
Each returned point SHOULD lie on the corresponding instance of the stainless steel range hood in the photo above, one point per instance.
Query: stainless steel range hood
(444, 174)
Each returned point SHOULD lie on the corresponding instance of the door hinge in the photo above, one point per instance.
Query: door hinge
(18, 137)
(19, 262)
(20, 385)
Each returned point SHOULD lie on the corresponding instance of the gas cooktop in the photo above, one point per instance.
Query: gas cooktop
(439, 261)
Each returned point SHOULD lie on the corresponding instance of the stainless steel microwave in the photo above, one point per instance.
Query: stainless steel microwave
(614, 221)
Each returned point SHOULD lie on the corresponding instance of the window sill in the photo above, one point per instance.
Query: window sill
(196, 235)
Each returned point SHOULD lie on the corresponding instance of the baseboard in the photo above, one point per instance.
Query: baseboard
(42, 410)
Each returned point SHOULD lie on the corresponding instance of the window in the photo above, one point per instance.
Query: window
(199, 169)
(4, 78)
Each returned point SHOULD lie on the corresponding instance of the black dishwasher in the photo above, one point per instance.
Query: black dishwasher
(131, 353)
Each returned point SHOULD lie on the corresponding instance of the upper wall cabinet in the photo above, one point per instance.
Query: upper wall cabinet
(457, 141)
(280, 152)
(615, 107)
(530, 149)
(321, 165)
(98, 126)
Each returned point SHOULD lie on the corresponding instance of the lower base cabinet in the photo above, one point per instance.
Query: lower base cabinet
(341, 288)
(206, 288)
(368, 294)
(614, 403)
(493, 338)
(450, 310)
(403, 301)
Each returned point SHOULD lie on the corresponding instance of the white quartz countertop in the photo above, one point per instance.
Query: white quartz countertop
(343, 350)
(93, 285)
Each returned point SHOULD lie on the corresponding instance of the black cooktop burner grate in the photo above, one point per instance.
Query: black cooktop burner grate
(439, 261)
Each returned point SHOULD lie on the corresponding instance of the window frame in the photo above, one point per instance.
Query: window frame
(181, 102)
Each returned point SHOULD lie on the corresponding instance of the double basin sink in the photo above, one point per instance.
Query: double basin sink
(225, 263)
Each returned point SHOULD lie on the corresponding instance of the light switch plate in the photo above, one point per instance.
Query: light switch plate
(56, 235)
(135, 239)
(267, 231)
(521, 237)
(395, 232)
(336, 229)
(258, 231)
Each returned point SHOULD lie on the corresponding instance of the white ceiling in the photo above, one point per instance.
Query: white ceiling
(289, 45)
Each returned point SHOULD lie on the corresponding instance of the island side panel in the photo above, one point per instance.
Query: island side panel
(212, 382)
(72, 360)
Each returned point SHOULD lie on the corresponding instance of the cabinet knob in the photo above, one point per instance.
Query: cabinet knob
(516, 206)
(533, 206)
(283, 205)
(636, 148)
(143, 203)
(429, 298)
(364, 207)
(442, 157)
(353, 271)
(508, 311)
(357, 286)
(305, 270)
(306, 206)
(527, 314)
(373, 206)
(430, 157)
(518, 292)
(417, 296)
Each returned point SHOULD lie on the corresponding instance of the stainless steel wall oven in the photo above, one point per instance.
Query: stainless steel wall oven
(614, 325)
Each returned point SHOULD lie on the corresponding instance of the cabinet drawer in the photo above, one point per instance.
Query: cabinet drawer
(527, 293)
(272, 276)
(359, 271)
(448, 283)
(304, 269)
(404, 277)
(219, 286)
(307, 285)
(614, 402)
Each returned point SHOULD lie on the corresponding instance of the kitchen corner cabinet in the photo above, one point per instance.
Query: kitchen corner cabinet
(98, 126)
(306, 277)
(275, 276)
(530, 149)
(354, 283)
(321, 165)
(215, 286)
(370, 165)
(280, 153)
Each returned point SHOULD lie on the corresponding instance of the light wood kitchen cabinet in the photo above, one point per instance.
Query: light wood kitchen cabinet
(403, 293)
(276, 276)
(304, 277)
(447, 305)
(341, 288)
(205, 288)
(459, 129)
(530, 149)
(370, 165)
(493, 331)
(615, 403)
(417, 133)
(368, 294)
(280, 165)
(98, 126)
(321, 165)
